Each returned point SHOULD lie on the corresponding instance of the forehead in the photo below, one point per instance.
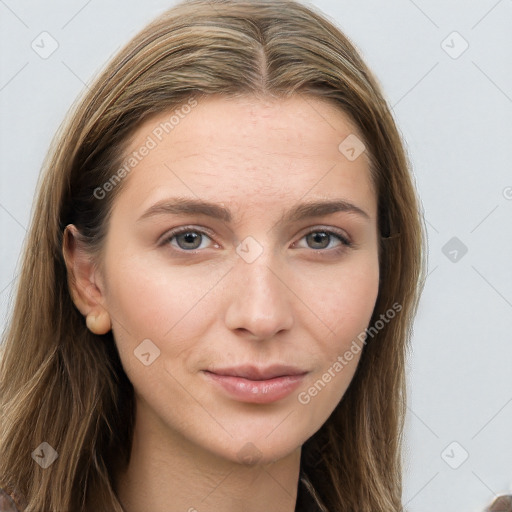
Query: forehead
(247, 150)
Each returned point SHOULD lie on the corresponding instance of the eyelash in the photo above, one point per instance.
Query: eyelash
(345, 243)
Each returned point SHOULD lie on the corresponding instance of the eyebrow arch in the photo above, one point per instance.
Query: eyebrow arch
(190, 206)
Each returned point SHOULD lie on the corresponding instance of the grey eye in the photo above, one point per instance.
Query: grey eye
(189, 240)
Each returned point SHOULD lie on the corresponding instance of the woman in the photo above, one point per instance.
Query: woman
(262, 369)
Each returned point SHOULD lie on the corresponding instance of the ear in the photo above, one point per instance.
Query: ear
(84, 282)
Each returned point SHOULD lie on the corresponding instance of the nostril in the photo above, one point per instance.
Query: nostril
(501, 504)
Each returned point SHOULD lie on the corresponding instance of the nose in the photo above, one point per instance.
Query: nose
(261, 300)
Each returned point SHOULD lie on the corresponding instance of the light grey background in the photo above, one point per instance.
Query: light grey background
(455, 112)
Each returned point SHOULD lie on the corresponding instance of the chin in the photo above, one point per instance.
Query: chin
(258, 449)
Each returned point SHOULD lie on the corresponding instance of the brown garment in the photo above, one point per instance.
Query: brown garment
(6, 502)
(501, 504)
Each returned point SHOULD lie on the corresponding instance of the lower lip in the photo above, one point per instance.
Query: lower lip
(257, 391)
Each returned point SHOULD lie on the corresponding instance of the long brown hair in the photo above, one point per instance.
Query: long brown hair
(62, 384)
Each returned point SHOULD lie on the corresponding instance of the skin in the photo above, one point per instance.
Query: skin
(301, 301)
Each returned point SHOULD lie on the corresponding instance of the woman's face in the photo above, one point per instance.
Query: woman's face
(235, 332)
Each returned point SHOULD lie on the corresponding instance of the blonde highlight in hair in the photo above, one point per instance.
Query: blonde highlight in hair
(62, 384)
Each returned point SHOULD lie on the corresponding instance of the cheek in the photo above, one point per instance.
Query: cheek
(344, 302)
(345, 299)
(156, 302)
(155, 299)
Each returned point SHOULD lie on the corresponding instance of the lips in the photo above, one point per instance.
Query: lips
(255, 373)
(251, 384)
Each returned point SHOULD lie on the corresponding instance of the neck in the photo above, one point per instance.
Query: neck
(169, 474)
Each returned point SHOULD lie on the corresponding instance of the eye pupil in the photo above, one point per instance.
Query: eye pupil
(189, 238)
(319, 237)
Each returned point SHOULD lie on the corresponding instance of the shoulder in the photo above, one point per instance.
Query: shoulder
(6, 502)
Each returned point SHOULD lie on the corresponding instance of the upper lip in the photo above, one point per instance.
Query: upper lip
(257, 373)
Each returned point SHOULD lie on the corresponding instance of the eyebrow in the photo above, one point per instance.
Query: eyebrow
(190, 206)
